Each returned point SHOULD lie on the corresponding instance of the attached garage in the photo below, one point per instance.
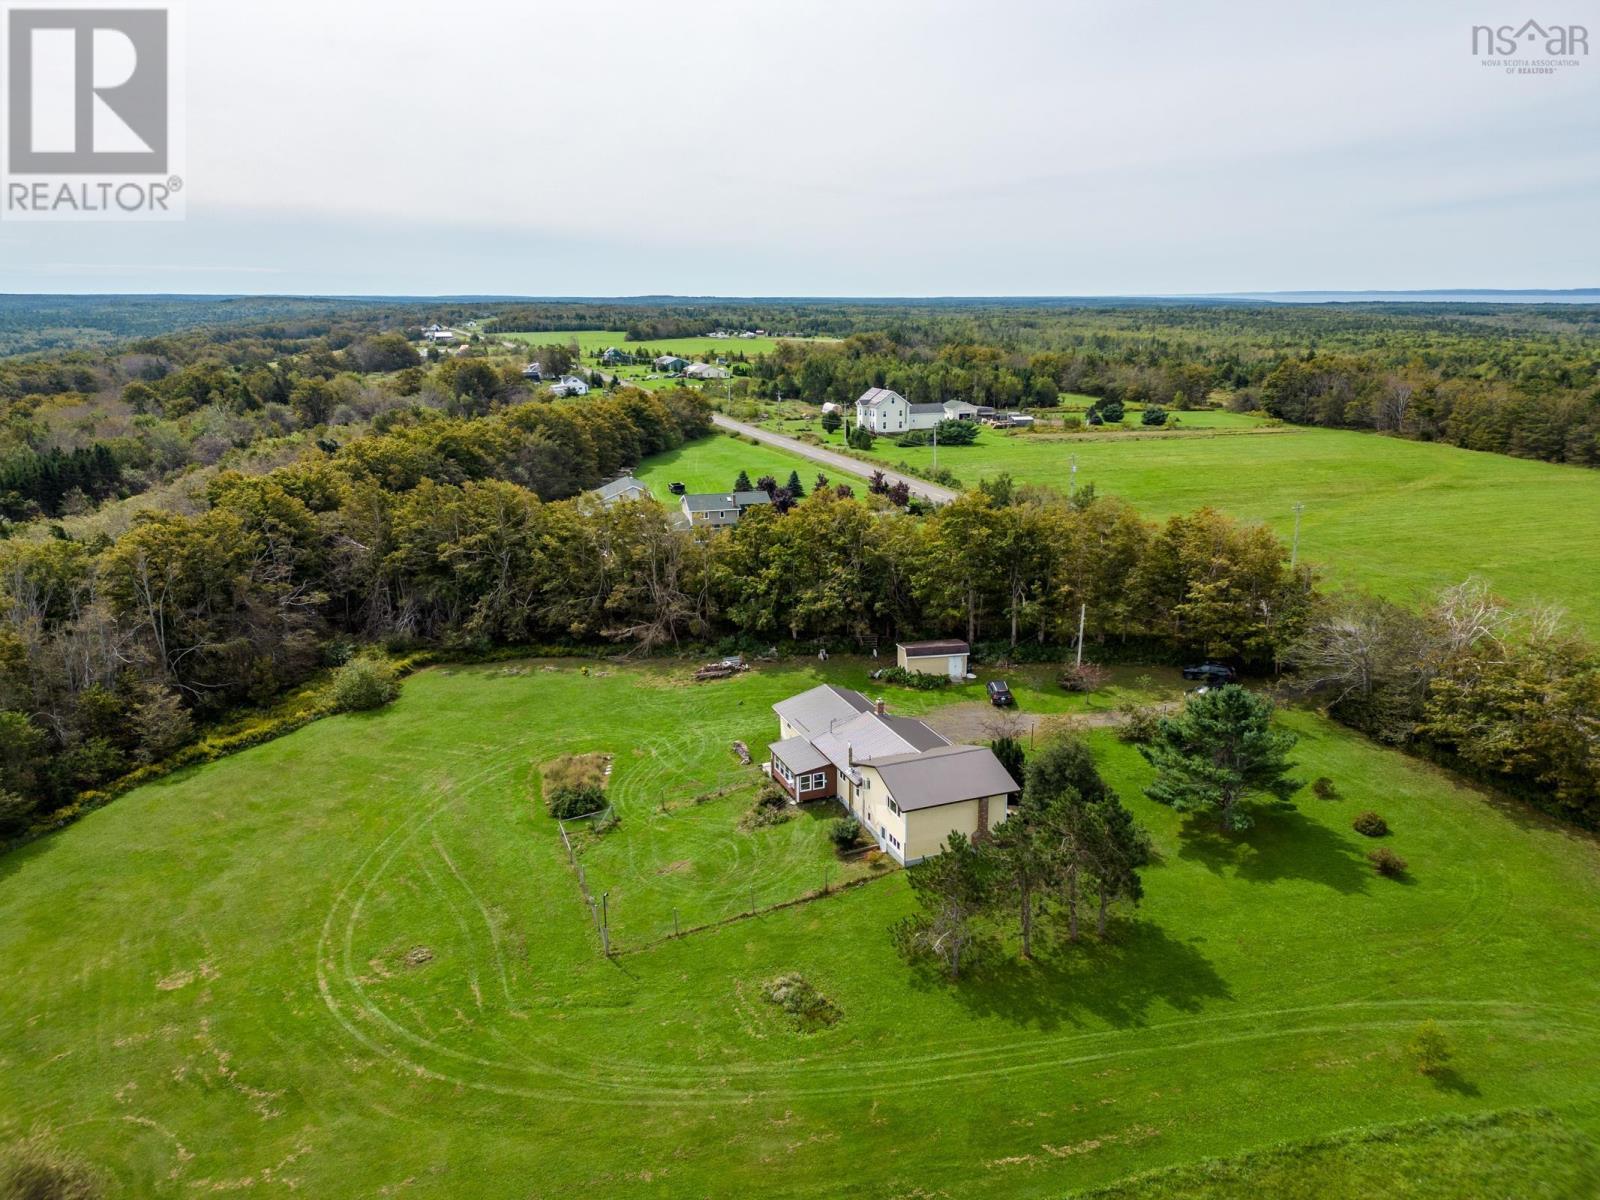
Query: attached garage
(934, 658)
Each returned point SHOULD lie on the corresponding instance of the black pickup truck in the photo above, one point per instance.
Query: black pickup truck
(1212, 673)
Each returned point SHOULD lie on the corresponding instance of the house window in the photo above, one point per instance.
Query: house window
(893, 807)
(783, 770)
(815, 782)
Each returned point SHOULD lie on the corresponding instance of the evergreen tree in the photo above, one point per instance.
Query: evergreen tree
(742, 484)
(794, 487)
(1218, 753)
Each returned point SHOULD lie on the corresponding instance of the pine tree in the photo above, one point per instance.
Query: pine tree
(742, 484)
(794, 486)
(1218, 753)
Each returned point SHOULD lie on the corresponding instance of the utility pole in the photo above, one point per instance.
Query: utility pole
(1083, 611)
(935, 447)
(605, 924)
(1294, 553)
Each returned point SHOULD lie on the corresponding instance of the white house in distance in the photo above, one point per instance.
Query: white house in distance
(907, 784)
(887, 412)
(947, 657)
(705, 371)
(570, 385)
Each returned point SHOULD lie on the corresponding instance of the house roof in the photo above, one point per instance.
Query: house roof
(798, 754)
(812, 711)
(944, 775)
(873, 736)
(714, 501)
(873, 397)
(928, 649)
(927, 410)
(618, 488)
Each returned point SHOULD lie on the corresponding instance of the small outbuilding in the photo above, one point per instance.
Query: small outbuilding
(933, 658)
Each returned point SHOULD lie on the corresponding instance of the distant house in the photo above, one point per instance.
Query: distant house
(619, 490)
(671, 363)
(570, 385)
(705, 371)
(887, 412)
(713, 509)
(907, 784)
(534, 372)
(946, 657)
(611, 356)
(438, 333)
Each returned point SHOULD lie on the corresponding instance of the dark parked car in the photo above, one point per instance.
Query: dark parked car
(677, 489)
(1212, 673)
(1000, 694)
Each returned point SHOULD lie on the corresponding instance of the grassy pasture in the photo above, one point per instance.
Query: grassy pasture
(1404, 518)
(594, 340)
(354, 962)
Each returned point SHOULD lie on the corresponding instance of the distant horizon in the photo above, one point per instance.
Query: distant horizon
(1289, 295)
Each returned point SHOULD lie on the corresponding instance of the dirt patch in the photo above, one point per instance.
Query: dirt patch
(418, 955)
(673, 868)
(975, 722)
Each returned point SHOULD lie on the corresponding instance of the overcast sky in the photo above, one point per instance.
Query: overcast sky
(857, 147)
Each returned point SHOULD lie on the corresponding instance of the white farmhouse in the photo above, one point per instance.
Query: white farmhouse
(886, 412)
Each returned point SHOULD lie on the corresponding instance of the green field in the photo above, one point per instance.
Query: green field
(1405, 518)
(712, 464)
(355, 962)
(593, 340)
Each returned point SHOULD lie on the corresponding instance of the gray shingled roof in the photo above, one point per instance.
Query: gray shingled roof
(927, 410)
(799, 754)
(872, 736)
(620, 487)
(944, 775)
(812, 711)
(719, 501)
(873, 397)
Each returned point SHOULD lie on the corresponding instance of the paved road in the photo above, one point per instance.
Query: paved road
(839, 462)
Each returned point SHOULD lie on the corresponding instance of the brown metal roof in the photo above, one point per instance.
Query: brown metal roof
(921, 649)
(944, 775)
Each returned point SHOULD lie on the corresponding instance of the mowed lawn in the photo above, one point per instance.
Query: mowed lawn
(712, 464)
(1404, 518)
(591, 341)
(354, 962)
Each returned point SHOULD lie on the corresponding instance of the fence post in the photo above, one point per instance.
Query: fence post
(605, 923)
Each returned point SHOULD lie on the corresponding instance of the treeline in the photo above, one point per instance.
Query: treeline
(1511, 697)
(436, 534)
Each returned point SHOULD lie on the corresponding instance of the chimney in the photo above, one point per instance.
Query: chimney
(849, 755)
(880, 707)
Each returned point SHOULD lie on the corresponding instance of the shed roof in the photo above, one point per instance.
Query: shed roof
(944, 775)
(929, 649)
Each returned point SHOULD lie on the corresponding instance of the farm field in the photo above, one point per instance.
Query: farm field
(378, 977)
(713, 463)
(1404, 518)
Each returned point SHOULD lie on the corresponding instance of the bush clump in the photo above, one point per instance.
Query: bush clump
(771, 807)
(1387, 863)
(1139, 724)
(1430, 1049)
(1324, 789)
(844, 832)
(1370, 824)
(915, 680)
(363, 684)
(1084, 677)
(567, 802)
(36, 1170)
(808, 1007)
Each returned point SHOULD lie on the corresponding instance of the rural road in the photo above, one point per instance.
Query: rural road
(839, 462)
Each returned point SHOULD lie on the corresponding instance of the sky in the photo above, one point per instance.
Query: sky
(857, 147)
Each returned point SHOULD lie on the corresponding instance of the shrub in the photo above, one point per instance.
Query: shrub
(567, 802)
(1153, 414)
(1430, 1048)
(1387, 863)
(1370, 824)
(1139, 724)
(1324, 789)
(1084, 677)
(362, 684)
(771, 807)
(808, 1007)
(914, 680)
(36, 1170)
(844, 832)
